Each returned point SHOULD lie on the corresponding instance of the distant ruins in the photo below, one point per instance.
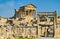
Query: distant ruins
(25, 23)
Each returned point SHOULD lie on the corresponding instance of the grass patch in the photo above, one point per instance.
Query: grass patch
(24, 38)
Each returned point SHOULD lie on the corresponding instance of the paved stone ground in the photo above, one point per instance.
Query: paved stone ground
(47, 38)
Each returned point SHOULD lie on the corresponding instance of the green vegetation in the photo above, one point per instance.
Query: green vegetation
(24, 38)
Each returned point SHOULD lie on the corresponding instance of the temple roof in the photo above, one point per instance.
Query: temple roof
(27, 5)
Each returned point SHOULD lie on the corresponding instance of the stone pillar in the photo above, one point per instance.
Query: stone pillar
(46, 31)
(25, 32)
(39, 31)
(25, 12)
(38, 19)
(55, 23)
(28, 12)
(34, 13)
(39, 27)
(31, 12)
(21, 13)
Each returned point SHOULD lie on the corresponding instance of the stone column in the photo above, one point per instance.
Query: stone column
(31, 12)
(34, 13)
(28, 12)
(38, 19)
(38, 32)
(25, 12)
(55, 22)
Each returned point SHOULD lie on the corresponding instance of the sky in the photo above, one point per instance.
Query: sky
(7, 6)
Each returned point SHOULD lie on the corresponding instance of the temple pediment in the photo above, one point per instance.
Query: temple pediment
(30, 6)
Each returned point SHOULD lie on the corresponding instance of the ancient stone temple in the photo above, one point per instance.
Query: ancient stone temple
(24, 23)
(27, 10)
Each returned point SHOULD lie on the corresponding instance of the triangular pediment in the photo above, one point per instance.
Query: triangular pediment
(31, 6)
